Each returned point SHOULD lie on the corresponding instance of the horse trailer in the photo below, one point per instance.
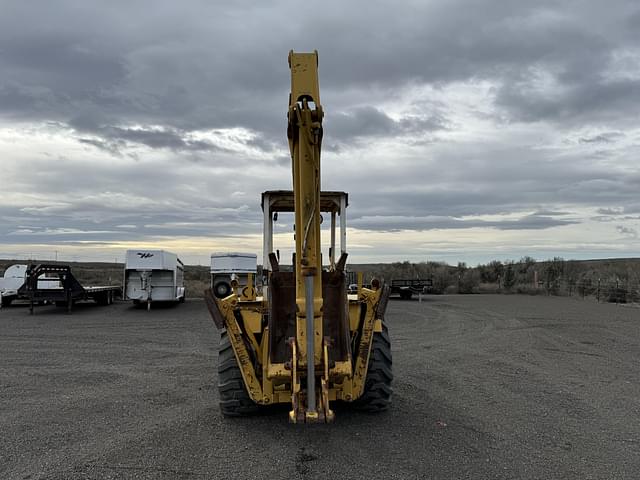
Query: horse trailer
(228, 266)
(153, 276)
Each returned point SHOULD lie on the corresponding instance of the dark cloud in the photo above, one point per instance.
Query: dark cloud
(398, 223)
(365, 122)
(598, 100)
(607, 137)
(136, 86)
(133, 66)
(157, 138)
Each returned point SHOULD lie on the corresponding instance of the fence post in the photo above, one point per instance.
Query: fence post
(598, 291)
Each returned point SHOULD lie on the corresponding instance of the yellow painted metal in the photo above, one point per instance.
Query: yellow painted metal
(252, 317)
(277, 371)
(254, 389)
(252, 320)
(304, 77)
(267, 386)
(295, 386)
(281, 383)
(248, 293)
(305, 137)
(377, 326)
(354, 314)
(341, 370)
(324, 385)
(370, 298)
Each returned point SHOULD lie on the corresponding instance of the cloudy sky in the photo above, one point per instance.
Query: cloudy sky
(463, 131)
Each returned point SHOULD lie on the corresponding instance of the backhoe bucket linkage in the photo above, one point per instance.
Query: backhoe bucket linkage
(300, 412)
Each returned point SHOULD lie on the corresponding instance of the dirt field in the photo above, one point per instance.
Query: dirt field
(486, 387)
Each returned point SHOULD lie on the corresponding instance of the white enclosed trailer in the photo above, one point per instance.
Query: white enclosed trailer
(227, 266)
(153, 276)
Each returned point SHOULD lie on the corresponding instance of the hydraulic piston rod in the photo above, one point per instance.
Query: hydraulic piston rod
(311, 377)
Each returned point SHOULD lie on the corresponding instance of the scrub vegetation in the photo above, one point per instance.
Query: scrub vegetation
(614, 280)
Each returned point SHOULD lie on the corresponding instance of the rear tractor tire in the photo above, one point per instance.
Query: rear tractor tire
(234, 398)
(377, 388)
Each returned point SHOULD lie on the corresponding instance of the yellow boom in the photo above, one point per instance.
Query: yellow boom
(304, 341)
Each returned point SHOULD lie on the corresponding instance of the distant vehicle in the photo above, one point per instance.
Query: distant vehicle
(407, 288)
(15, 276)
(48, 283)
(228, 266)
(153, 276)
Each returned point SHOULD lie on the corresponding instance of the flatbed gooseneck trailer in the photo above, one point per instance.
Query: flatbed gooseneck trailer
(67, 291)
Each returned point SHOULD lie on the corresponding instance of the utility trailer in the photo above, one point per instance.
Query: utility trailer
(228, 267)
(406, 288)
(62, 288)
(153, 276)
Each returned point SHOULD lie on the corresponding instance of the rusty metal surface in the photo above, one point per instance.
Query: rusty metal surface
(335, 315)
(384, 301)
(282, 315)
(214, 310)
(370, 299)
(282, 200)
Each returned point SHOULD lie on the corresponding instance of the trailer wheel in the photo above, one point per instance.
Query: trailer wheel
(6, 301)
(234, 399)
(222, 289)
(377, 388)
(406, 294)
(102, 298)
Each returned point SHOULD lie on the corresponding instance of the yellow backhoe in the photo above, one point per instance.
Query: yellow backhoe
(304, 340)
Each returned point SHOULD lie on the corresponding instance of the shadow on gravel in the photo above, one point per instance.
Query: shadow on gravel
(154, 306)
(51, 309)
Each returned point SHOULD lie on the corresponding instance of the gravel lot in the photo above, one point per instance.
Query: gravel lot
(485, 387)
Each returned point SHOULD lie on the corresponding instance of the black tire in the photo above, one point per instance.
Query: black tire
(377, 388)
(234, 398)
(406, 294)
(6, 301)
(222, 289)
(102, 298)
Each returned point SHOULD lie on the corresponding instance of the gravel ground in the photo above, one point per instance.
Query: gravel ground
(486, 387)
